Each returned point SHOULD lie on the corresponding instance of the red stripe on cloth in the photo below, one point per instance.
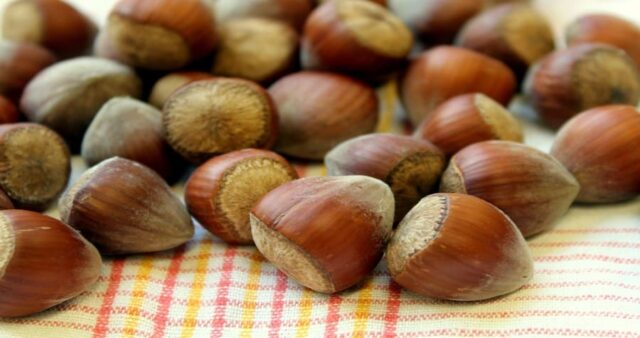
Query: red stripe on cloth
(219, 320)
(166, 296)
(572, 244)
(333, 316)
(393, 309)
(100, 330)
(278, 305)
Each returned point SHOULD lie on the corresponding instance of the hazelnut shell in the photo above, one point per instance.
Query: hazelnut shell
(54, 24)
(601, 148)
(43, 263)
(140, 139)
(213, 117)
(318, 110)
(327, 233)
(531, 187)
(35, 164)
(467, 119)
(411, 167)
(221, 192)
(458, 247)
(444, 72)
(123, 207)
(161, 34)
(67, 95)
(360, 38)
(581, 77)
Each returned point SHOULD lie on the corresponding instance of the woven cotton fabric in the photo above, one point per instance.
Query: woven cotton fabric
(586, 284)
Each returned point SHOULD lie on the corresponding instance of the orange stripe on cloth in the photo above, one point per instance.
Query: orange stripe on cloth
(304, 320)
(362, 309)
(139, 288)
(388, 101)
(249, 302)
(196, 292)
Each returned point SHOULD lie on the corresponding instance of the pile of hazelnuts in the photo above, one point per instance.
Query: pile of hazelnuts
(449, 207)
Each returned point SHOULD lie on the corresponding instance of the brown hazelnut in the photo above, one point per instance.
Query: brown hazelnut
(54, 24)
(8, 111)
(221, 192)
(43, 263)
(530, 186)
(360, 38)
(161, 34)
(168, 84)
(292, 12)
(467, 119)
(606, 28)
(256, 49)
(444, 72)
(67, 95)
(35, 164)
(327, 233)
(458, 247)
(515, 34)
(212, 117)
(584, 76)
(140, 138)
(318, 110)
(601, 148)
(19, 63)
(411, 167)
(123, 207)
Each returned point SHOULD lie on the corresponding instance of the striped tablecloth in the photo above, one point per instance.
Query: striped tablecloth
(586, 283)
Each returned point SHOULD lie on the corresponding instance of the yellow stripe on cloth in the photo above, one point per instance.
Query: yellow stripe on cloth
(193, 304)
(249, 302)
(388, 103)
(304, 321)
(138, 295)
(362, 309)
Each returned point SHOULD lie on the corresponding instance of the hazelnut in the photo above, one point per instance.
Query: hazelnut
(35, 164)
(8, 111)
(161, 34)
(458, 247)
(444, 72)
(19, 63)
(601, 148)
(123, 207)
(584, 76)
(318, 110)
(222, 191)
(292, 12)
(67, 95)
(467, 119)
(530, 186)
(608, 29)
(212, 117)
(515, 34)
(140, 139)
(327, 233)
(411, 167)
(360, 38)
(43, 263)
(256, 49)
(437, 22)
(54, 24)
(168, 84)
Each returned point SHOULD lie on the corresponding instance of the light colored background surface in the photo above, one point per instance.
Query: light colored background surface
(587, 280)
